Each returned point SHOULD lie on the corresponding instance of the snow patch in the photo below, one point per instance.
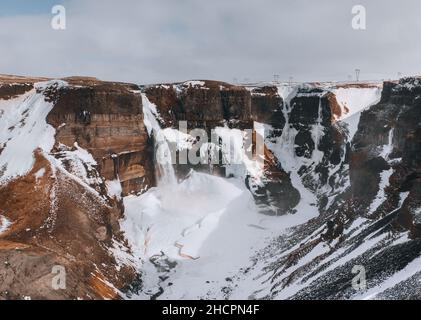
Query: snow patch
(39, 174)
(114, 188)
(380, 197)
(354, 100)
(23, 129)
(4, 224)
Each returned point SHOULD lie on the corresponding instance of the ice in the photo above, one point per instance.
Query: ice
(388, 148)
(163, 152)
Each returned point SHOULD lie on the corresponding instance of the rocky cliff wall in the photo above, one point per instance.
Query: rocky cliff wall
(107, 120)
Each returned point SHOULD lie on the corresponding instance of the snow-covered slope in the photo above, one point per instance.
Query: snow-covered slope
(23, 129)
(352, 102)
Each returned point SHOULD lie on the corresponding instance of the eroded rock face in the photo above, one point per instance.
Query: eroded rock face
(311, 142)
(384, 152)
(315, 108)
(55, 222)
(204, 104)
(13, 86)
(267, 106)
(60, 216)
(107, 120)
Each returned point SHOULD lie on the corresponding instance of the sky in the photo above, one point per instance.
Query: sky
(151, 41)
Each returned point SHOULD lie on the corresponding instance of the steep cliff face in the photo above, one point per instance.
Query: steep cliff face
(201, 103)
(106, 119)
(371, 225)
(303, 132)
(210, 105)
(315, 140)
(384, 154)
(58, 216)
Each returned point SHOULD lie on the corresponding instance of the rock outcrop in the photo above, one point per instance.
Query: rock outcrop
(384, 154)
(107, 120)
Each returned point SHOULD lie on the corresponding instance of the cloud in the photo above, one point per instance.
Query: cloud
(167, 40)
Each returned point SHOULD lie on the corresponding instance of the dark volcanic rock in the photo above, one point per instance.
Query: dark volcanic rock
(389, 136)
(267, 106)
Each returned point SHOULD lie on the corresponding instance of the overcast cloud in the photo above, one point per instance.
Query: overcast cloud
(172, 40)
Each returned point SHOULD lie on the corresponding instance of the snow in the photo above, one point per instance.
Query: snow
(316, 134)
(194, 83)
(4, 224)
(380, 197)
(417, 215)
(165, 215)
(181, 139)
(23, 129)
(114, 188)
(83, 155)
(234, 149)
(287, 92)
(384, 175)
(209, 225)
(352, 124)
(236, 155)
(39, 174)
(388, 148)
(78, 164)
(297, 286)
(284, 149)
(355, 100)
(408, 83)
(189, 237)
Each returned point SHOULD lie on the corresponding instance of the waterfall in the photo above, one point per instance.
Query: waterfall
(164, 168)
(318, 126)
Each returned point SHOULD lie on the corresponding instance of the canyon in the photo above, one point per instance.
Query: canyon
(81, 187)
